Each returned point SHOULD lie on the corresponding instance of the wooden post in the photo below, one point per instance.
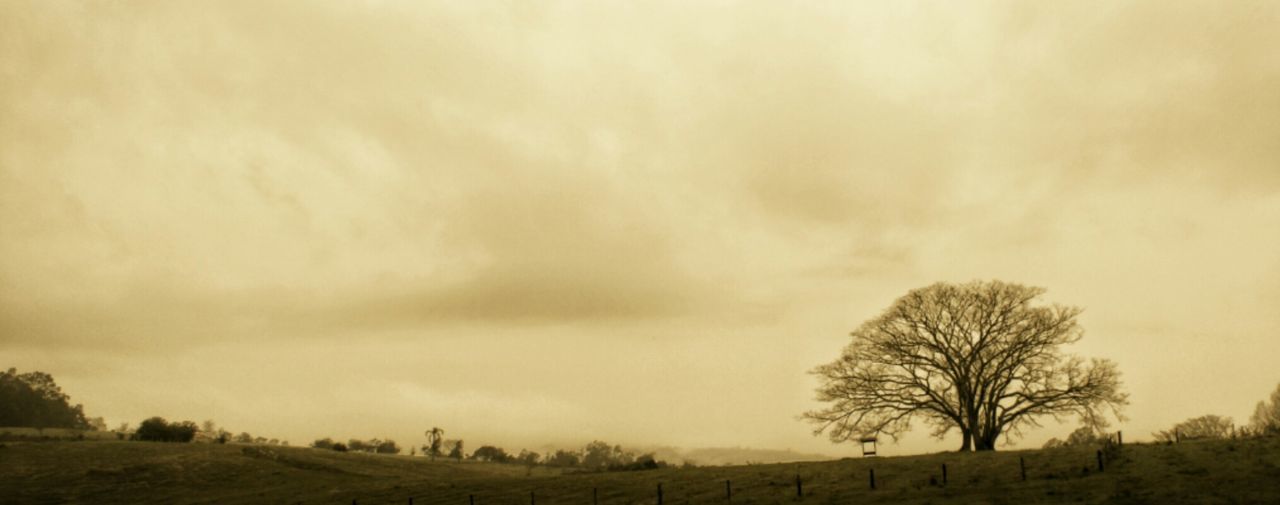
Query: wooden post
(532, 501)
(1100, 466)
(595, 496)
(1177, 437)
(873, 478)
(728, 491)
(799, 490)
(659, 493)
(472, 498)
(1119, 438)
(944, 474)
(1022, 465)
(410, 500)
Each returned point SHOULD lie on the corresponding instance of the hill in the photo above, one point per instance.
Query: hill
(1224, 471)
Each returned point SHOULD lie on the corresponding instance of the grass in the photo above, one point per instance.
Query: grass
(1222, 471)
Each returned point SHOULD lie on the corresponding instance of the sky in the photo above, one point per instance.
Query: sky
(535, 223)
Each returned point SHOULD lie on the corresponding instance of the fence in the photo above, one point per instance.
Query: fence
(1097, 461)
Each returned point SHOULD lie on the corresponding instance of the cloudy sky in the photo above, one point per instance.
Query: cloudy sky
(543, 222)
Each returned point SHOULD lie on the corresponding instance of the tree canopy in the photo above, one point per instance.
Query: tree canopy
(34, 400)
(983, 358)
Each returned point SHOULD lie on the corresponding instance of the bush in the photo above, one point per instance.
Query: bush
(324, 443)
(340, 447)
(156, 429)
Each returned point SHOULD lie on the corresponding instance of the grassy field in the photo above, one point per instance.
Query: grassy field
(1242, 471)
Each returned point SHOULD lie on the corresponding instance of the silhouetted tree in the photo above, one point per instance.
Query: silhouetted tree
(34, 400)
(1209, 426)
(455, 449)
(977, 357)
(1266, 416)
(244, 438)
(340, 447)
(323, 443)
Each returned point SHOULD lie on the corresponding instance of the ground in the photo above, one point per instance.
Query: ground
(103, 472)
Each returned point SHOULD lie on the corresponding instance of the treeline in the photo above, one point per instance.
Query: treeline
(34, 400)
(374, 445)
(1264, 422)
(595, 456)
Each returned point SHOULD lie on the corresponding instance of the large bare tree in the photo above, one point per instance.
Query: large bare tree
(982, 357)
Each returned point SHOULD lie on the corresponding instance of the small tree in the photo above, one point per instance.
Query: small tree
(455, 450)
(1203, 427)
(1266, 416)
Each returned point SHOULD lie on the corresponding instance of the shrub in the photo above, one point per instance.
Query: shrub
(156, 429)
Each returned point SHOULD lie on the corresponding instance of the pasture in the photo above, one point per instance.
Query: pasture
(96, 472)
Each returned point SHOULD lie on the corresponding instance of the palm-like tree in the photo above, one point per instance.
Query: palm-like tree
(434, 436)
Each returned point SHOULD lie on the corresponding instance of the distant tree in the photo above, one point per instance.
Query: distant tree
(529, 458)
(244, 438)
(274, 441)
(388, 447)
(340, 447)
(98, 424)
(563, 459)
(358, 445)
(34, 400)
(260, 440)
(1209, 426)
(413, 451)
(223, 436)
(597, 455)
(1083, 436)
(156, 429)
(1266, 416)
(123, 428)
(434, 436)
(491, 453)
(1053, 443)
(208, 426)
(455, 450)
(980, 357)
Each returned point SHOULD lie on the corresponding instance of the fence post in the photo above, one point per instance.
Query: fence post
(1100, 466)
(532, 501)
(728, 491)
(659, 493)
(873, 478)
(595, 496)
(410, 500)
(799, 490)
(944, 474)
(1119, 438)
(1022, 465)
(472, 498)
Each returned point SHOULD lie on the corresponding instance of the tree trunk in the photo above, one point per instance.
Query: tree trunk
(967, 440)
